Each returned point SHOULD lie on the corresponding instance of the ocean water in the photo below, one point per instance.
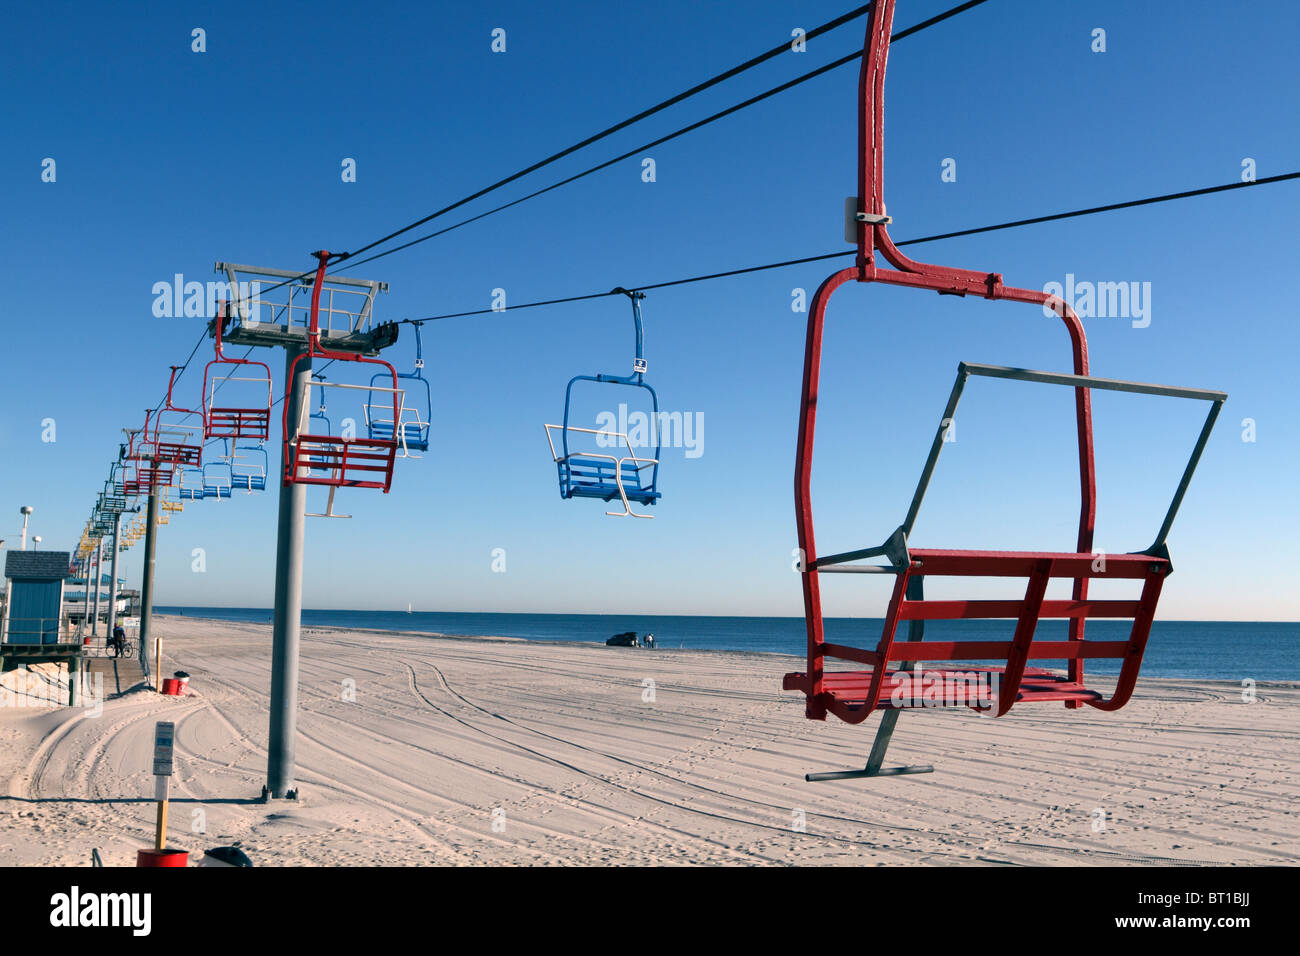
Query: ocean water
(1221, 650)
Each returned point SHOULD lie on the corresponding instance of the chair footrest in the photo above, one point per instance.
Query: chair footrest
(968, 687)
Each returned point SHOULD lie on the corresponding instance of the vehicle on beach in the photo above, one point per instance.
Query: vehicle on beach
(630, 639)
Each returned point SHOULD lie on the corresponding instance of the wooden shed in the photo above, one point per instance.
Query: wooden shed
(34, 596)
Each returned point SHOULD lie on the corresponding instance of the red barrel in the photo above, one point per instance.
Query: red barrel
(168, 857)
(171, 685)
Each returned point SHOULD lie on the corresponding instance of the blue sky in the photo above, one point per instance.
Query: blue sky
(168, 160)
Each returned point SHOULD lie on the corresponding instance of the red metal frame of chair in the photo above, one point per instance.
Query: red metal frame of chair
(138, 459)
(873, 240)
(170, 447)
(352, 462)
(231, 421)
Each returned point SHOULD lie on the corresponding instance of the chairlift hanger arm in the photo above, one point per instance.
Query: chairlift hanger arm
(872, 238)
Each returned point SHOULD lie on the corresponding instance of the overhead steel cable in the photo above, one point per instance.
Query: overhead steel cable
(617, 127)
(745, 104)
(624, 124)
(611, 130)
(1092, 210)
(1036, 220)
(1011, 224)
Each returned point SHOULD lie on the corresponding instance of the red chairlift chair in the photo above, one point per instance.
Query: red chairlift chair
(335, 460)
(250, 420)
(142, 470)
(176, 443)
(854, 694)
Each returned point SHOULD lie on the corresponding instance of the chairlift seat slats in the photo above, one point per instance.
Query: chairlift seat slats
(345, 462)
(853, 695)
(179, 453)
(586, 477)
(238, 423)
(414, 435)
(849, 691)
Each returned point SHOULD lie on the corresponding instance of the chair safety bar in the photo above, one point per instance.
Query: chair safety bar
(966, 369)
(569, 487)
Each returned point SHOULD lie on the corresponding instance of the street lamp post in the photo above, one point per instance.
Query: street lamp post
(26, 512)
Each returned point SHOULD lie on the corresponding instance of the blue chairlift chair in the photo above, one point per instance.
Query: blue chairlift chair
(413, 434)
(627, 477)
(248, 464)
(218, 481)
(189, 486)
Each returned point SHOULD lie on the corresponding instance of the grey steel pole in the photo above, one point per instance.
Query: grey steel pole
(97, 560)
(112, 574)
(288, 596)
(146, 586)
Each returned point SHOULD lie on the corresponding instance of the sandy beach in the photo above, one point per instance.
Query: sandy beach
(434, 750)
